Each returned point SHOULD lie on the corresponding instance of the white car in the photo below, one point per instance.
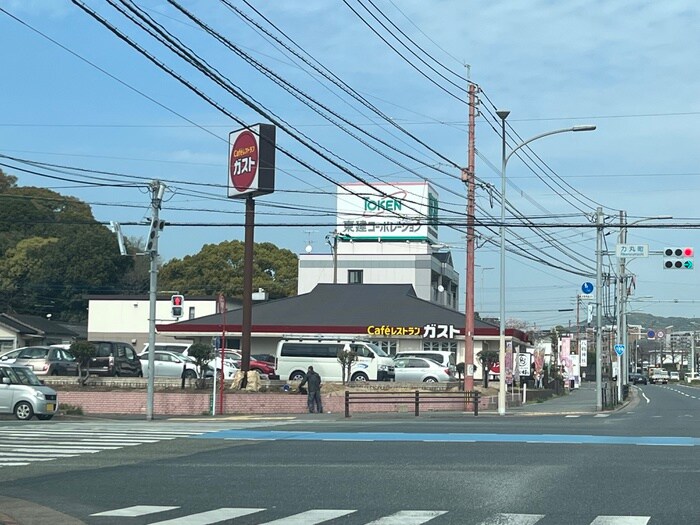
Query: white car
(674, 376)
(11, 356)
(420, 369)
(169, 364)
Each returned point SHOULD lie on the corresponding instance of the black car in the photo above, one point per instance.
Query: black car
(638, 379)
(114, 358)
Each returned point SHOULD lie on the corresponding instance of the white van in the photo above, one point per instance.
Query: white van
(295, 355)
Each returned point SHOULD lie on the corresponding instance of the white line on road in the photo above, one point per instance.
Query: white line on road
(409, 517)
(136, 510)
(513, 519)
(212, 516)
(621, 520)
(645, 397)
(310, 517)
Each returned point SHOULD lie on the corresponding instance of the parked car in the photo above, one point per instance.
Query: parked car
(169, 364)
(22, 394)
(263, 367)
(47, 361)
(638, 379)
(674, 376)
(115, 358)
(10, 356)
(418, 369)
(443, 357)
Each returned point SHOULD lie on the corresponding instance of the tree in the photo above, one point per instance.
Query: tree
(346, 357)
(219, 268)
(83, 351)
(202, 354)
(487, 358)
(53, 252)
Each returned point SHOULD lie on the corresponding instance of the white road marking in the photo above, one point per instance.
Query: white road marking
(310, 517)
(514, 519)
(408, 517)
(621, 520)
(136, 510)
(211, 516)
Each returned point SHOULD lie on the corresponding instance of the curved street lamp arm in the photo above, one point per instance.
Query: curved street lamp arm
(546, 134)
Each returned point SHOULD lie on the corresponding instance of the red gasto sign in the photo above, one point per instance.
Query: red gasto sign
(252, 161)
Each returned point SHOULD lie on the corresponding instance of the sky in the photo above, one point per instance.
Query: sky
(76, 95)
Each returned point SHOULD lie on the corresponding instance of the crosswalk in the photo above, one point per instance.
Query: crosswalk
(168, 515)
(21, 446)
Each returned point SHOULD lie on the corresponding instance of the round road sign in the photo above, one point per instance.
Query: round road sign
(587, 287)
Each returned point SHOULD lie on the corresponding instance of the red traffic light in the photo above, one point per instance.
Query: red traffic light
(177, 300)
(687, 252)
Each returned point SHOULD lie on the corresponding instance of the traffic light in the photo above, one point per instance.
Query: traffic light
(678, 258)
(176, 304)
(152, 241)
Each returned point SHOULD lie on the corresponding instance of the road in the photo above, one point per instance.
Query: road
(635, 466)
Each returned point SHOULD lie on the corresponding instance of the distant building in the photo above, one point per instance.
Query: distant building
(126, 317)
(385, 238)
(18, 330)
(390, 315)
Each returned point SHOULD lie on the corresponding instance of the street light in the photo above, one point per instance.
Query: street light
(503, 114)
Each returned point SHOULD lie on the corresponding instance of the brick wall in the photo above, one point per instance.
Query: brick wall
(198, 403)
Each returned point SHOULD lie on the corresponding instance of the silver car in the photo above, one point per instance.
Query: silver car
(22, 394)
(420, 369)
(169, 364)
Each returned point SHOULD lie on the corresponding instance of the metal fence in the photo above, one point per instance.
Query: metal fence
(414, 398)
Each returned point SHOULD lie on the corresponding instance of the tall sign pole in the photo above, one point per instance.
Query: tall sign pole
(251, 173)
(468, 177)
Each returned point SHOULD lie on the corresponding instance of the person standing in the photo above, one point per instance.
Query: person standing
(313, 382)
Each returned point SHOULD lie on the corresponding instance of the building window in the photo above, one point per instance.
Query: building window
(355, 276)
(191, 313)
(445, 346)
(390, 347)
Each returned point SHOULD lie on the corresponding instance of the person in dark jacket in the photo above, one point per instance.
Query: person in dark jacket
(313, 382)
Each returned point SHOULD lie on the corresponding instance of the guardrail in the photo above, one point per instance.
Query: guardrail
(414, 398)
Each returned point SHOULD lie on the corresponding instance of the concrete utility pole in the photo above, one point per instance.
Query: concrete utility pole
(468, 178)
(621, 307)
(157, 191)
(599, 309)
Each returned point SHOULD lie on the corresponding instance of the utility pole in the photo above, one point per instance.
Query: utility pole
(599, 309)
(157, 191)
(621, 320)
(468, 178)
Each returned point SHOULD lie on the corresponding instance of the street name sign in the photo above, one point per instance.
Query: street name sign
(632, 250)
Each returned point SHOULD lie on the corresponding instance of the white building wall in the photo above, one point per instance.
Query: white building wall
(381, 263)
(127, 319)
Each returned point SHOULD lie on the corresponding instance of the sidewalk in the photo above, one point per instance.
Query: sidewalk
(577, 402)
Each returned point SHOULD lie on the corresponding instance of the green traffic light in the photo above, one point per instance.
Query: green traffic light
(688, 265)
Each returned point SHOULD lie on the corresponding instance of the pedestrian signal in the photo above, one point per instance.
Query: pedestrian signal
(176, 305)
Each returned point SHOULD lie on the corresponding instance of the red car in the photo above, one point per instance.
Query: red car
(260, 366)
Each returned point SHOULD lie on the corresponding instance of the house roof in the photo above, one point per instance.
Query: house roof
(35, 325)
(338, 308)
